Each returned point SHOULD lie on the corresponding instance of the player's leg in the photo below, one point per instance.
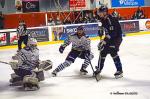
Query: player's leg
(101, 61)
(25, 40)
(70, 59)
(87, 60)
(20, 43)
(117, 62)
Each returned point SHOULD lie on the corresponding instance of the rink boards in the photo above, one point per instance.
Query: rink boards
(57, 34)
(61, 41)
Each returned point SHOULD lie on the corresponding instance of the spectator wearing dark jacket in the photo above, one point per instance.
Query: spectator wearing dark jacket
(1, 21)
(139, 14)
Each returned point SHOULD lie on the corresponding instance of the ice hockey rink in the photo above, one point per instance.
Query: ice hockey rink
(69, 84)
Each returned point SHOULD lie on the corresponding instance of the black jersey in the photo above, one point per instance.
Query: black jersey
(112, 29)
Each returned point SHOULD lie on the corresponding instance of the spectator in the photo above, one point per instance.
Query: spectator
(87, 18)
(139, 14)
(51, 22)
(81, 20)
(116, 14)
(67, 21)
(94, 18)
(58, 21)
(1, 21)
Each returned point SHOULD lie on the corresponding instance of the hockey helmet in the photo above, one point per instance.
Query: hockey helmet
(103, 9)
(80, 28)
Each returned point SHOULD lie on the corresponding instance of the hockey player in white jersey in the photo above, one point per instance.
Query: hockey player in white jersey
(26, 67)
(28, 60)
(80, 48)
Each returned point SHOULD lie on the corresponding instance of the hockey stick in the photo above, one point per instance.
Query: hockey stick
(4, 62)
(93, 71)
(92, 68)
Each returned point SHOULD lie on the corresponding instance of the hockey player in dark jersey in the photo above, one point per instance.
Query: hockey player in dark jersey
(111, 42)
(80, 48)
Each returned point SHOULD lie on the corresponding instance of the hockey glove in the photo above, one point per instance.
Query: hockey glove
(101, 45)
(86, 53)
(61, 49)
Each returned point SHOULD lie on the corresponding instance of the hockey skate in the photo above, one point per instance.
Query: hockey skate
(118, 74)
(83, 71)
(54, 74)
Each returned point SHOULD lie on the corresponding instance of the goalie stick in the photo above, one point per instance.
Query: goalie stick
(4, 62)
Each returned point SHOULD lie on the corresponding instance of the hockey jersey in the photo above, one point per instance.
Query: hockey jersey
(21, 30)
(79, 44)
(113, 32)
(28, 58)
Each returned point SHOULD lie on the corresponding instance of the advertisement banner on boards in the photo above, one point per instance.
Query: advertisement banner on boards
(62, 32)
(130, 26)
(144, 24)
(58, 33)
(30, 5)
(13, 38)
(127, 3)
(41, 34)
(3, 39)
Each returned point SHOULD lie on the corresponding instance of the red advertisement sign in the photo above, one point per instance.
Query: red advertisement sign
(77, 4)
(3, 40)
(13, 38)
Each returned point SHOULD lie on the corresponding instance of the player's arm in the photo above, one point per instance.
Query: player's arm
(66, 43)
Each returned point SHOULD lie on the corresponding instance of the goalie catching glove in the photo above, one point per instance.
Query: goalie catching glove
(45, 65)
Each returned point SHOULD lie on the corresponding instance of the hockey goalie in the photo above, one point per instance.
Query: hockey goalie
(28, 70)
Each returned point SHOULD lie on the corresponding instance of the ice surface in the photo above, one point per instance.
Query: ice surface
(135, 57)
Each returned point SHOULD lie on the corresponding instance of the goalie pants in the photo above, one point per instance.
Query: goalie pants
(71, 58)
(114, 54)
(22, 72)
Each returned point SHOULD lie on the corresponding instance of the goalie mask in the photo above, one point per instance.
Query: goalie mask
(32, 43)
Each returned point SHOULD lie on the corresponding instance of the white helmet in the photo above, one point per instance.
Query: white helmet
(32, 41)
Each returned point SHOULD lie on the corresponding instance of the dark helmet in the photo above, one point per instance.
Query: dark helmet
(80, 28)
(103, 9)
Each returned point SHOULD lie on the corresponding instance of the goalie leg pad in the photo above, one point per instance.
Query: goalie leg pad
(40, 75)
(30, 83)
(15, 80)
